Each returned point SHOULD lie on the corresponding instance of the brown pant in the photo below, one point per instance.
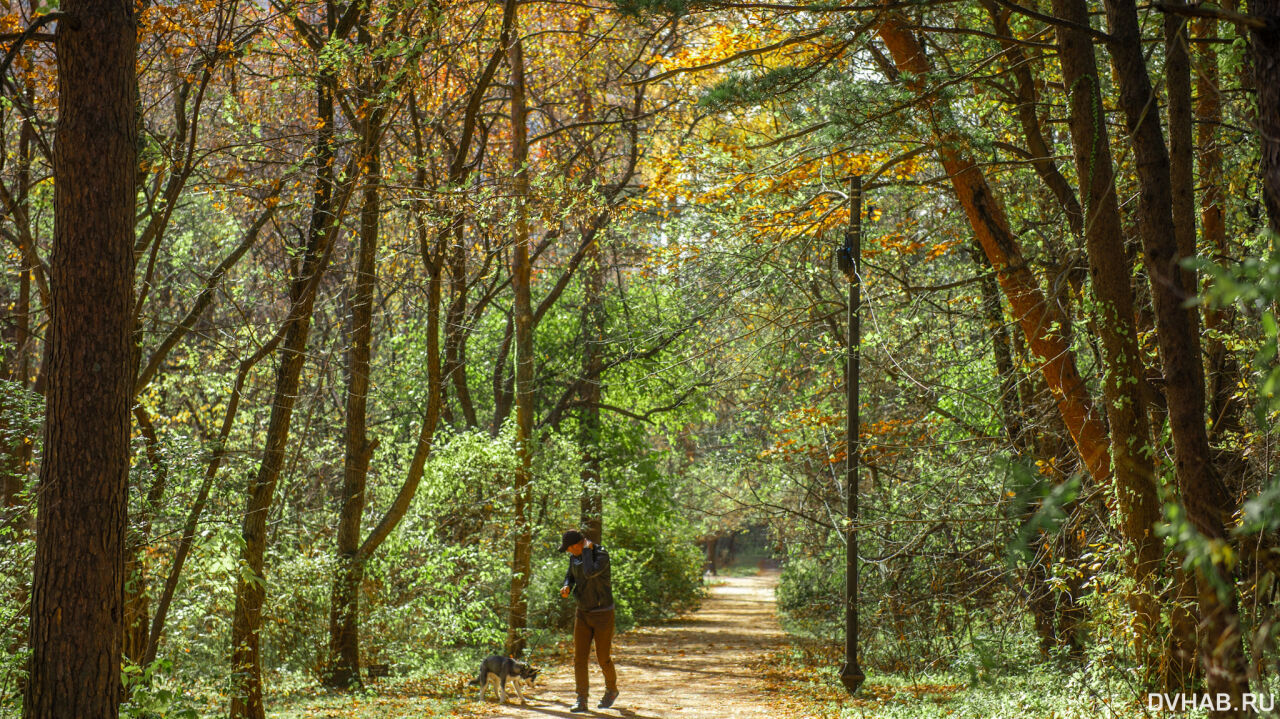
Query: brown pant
(588, 626)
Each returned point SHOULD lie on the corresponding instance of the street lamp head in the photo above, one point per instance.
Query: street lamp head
(844, 260)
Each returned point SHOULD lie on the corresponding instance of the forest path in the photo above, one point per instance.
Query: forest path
(691, 668)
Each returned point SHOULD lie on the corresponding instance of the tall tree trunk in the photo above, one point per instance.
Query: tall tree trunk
(16, 462)
(1226, 411)
(1134, 488)
(520, 275)
(78, 580)
(1040, 321)
(593, 327)
(1266, 63)
(246, 692)
(1178, 334)
(344, 611)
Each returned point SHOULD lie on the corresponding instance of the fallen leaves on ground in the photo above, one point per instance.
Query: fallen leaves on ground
(799, 689)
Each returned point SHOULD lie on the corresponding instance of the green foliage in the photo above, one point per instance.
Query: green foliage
(1262, 513)
(1042, 504)
(1253, 285)
(811, 595)
(754, 88)
(151, 697)
(639, 8)
(657, 572)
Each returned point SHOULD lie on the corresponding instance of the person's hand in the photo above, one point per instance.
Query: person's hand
(586, 544)
(564, 591)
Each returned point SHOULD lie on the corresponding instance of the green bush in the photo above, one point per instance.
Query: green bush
(657, 573)
(811, 596)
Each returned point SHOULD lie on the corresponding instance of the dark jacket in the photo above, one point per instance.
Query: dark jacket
(588, 577)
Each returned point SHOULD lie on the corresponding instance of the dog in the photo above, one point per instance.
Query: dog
(498, 669)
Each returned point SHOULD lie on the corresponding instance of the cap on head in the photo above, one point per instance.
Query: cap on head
(569, 539)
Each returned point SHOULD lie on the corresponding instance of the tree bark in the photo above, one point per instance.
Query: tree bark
(1134, 490)
(344, 611)
(1178, 334)
(246, 692)
(1040, 321)
(1266, 63)
(593, 321)
(78, 580)
(520, 277)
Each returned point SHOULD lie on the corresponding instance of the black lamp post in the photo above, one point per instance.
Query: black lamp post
(850, 260)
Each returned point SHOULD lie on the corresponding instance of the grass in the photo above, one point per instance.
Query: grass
(803, 681)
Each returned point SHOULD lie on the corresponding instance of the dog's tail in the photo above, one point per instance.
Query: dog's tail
(479, 681)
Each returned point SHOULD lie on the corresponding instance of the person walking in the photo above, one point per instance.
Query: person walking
(588, 578)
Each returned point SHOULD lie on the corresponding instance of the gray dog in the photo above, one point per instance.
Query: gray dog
(497, 669)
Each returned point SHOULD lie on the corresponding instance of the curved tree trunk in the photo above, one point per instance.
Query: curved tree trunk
(246, 692)
(1041, 321)
(1135, 488)
(1178, 334)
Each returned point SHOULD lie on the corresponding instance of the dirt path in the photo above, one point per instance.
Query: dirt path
(692, 668)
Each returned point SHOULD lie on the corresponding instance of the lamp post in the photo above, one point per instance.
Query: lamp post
(850, 261)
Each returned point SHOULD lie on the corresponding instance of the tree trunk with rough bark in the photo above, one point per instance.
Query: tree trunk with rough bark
(343, 670)
(1041, 321)
(1178, 334)
(520, 276)
(1134, 489)
(246, 690)
(77, 585)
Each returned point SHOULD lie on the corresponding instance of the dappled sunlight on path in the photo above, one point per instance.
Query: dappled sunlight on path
(695, 667)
